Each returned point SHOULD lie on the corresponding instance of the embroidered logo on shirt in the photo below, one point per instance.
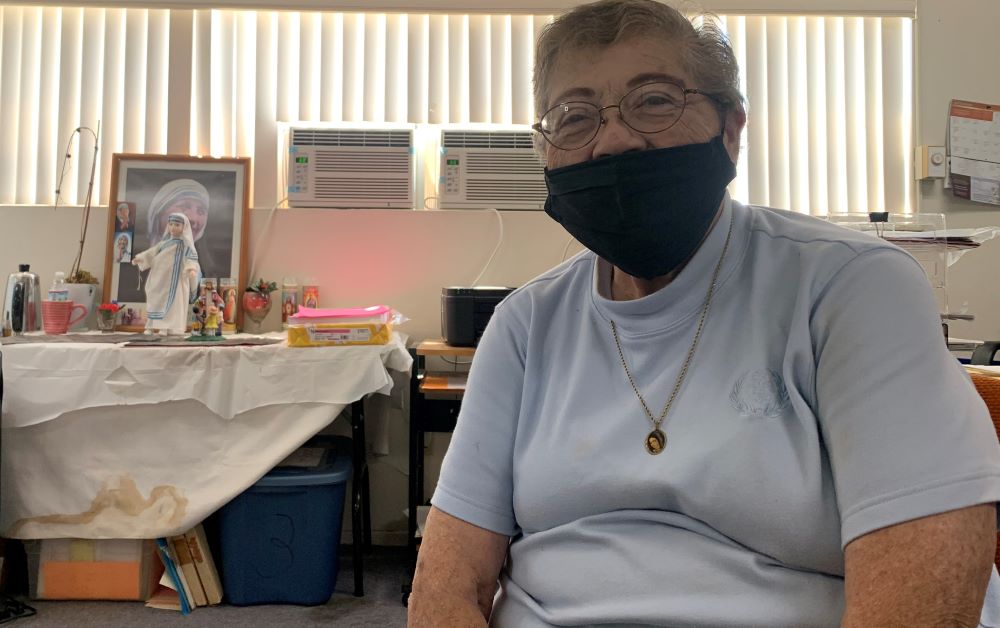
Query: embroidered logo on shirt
(760, 392)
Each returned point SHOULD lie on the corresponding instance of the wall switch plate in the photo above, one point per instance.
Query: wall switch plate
(929, 162)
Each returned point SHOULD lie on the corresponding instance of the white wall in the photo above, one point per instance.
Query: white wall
(957, 49)
(404, 258)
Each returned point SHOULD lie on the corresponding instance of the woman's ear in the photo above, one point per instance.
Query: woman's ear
(735, 120)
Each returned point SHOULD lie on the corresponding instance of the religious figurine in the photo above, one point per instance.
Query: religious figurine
(208, 310)
(173, 277)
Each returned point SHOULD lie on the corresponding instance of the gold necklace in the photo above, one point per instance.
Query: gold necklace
(656, 440)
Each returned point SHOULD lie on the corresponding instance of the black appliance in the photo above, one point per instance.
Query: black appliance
(466, 311)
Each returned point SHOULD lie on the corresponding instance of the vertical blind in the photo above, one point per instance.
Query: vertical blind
(829, 98)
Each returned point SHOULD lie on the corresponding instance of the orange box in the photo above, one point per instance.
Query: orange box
(93, 569)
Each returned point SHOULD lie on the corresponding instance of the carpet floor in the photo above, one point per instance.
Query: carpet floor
(385, 573)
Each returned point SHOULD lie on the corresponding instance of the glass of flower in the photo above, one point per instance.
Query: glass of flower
(107, 317)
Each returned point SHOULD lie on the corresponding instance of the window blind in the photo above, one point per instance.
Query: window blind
(829, 98)
(874, 8)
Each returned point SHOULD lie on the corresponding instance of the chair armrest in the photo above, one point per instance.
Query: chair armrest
(985, 353)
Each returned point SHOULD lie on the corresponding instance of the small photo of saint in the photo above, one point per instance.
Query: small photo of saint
(123, 247)
(125, 217)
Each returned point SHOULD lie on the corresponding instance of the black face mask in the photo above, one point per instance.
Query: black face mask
(646, 212)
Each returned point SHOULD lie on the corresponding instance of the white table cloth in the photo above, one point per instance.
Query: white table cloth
(112, 441)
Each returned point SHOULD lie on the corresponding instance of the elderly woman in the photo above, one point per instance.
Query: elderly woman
(123, 252)
(123, 218)
(719, 415)
(173, 277)
(191, 198)
(185, 196)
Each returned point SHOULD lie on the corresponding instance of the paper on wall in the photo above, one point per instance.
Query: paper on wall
(974, 146)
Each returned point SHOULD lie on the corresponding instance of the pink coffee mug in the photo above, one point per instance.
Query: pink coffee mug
(57, 316)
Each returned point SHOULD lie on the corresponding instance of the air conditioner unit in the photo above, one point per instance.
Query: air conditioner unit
(350, 167)
(496, 169)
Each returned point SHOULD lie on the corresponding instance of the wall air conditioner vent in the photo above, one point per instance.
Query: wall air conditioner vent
(510, 191)
(360, 161)
(350, 168)
(487, 139)
(490, 169)
(351, 137)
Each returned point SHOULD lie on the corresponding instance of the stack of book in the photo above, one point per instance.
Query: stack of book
(190, 578)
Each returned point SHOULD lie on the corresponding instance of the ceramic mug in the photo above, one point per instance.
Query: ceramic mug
(57, 316)
(84, 294)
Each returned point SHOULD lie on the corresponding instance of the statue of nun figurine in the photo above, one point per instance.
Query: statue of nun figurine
(173, 278)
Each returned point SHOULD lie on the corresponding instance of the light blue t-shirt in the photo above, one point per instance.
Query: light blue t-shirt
(821, 404)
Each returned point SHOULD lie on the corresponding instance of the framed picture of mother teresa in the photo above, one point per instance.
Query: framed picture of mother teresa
(173, 219)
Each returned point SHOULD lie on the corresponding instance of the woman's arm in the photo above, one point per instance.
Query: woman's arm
(931, 571)
(145, 259)
(457, 571)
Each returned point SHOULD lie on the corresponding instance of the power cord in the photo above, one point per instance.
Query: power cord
(270, 217)
(263, 232)
(496, 248)
(566, 249)
(11, 609)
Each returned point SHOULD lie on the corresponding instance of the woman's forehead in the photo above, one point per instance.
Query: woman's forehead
(613, 70)
(187, 200)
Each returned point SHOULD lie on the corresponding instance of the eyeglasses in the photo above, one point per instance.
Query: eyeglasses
(649, 108)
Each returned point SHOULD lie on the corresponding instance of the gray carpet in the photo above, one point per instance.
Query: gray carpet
(385, 572)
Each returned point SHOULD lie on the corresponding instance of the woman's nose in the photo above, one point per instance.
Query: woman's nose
(614, 136)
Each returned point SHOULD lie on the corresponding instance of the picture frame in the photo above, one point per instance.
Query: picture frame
(213, 192)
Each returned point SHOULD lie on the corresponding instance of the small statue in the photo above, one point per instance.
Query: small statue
(173, 277)
(208, 310)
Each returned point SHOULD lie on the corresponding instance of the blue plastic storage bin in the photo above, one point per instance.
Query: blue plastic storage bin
(279, 538)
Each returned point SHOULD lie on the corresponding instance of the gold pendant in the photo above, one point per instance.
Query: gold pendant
(655, 442)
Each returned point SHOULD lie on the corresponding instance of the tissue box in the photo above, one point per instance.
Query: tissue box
(338, 327)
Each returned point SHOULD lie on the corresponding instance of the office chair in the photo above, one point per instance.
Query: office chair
(989, 389)
(986, 353)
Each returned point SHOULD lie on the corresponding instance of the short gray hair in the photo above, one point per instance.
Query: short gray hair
(705, 51)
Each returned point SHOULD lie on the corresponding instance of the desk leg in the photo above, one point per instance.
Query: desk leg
(416, 455)
(415, 478)
(360, 496)
(366, 493)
